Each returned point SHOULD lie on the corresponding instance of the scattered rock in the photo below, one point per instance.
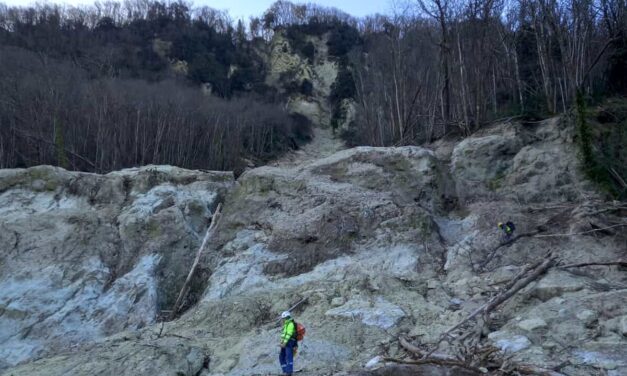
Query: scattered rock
(504, 274)
(455, 303)
(549, 345)
(166, 356)
(433, 284)
(623, 325)
(532, 324)
(382, 313)
(337, 301)
(597, 359)
(587, 317)
(556, 283)
(509, 343)
(374, 362)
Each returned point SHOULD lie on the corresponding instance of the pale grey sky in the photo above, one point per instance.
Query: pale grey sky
(245, 8)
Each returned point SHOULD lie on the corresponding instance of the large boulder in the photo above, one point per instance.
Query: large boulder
(532, 163)
(479, 164)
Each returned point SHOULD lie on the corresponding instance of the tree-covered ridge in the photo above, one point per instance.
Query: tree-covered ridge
(52, 113)
(116, 85)
(431, 68)
(138, 40)
(435, 67)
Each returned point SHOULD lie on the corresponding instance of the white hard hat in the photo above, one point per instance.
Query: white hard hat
(286, 314)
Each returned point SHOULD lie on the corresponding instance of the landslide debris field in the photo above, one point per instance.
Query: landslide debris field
(384, 249)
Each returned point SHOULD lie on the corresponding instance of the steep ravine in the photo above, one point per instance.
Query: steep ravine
(307, 83)
(381, 242)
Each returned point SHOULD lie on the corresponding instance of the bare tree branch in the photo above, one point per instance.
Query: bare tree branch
(215, 219)
(438, 362)
(622, 263)
(516, 285)
(580, 233)
(492, 253)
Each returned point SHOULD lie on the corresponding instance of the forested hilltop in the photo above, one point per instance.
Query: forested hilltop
(117, 85)
(123, 84)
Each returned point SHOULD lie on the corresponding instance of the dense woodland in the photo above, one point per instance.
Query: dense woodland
(98, 89)
(117, 84)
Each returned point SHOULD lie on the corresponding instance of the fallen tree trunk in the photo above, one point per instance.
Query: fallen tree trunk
(618, 178)
(515, 285)
(438, 362)
(512, 240)
(420, 353)
(527, 369)
(581, 233)
(521, 280)
(520, 284)
(210, 231)
(448, 360)
(609, 263)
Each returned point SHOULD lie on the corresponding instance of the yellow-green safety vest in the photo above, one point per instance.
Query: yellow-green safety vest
(289, 331)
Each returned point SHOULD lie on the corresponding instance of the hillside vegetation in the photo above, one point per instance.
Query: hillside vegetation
(119, 84)
(107, 87)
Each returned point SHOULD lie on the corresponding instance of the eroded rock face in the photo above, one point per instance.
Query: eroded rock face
(124, 356)
(85, 256)
(381, 242)
(288, 71)
(529, 163)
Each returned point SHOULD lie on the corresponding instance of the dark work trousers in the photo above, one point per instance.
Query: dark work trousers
(286, 357)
